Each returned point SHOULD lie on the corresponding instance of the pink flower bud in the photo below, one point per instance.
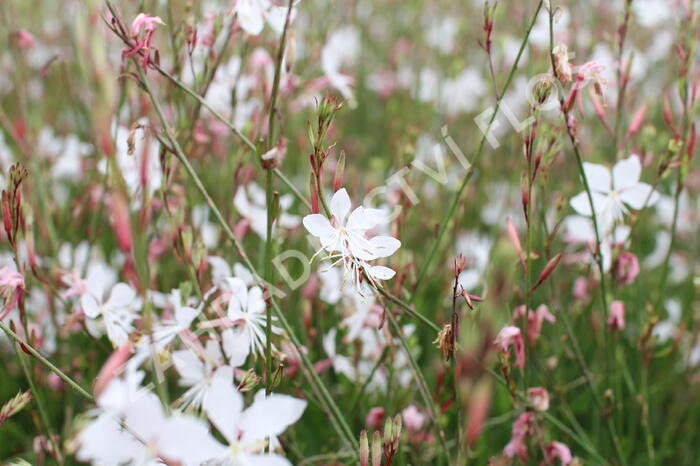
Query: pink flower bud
(539, 397)
(616, 321)
(413, 419)
(511, 336)
(559, 450)
(626, 268)
(25, 39)
(375, 418)
(122, 225)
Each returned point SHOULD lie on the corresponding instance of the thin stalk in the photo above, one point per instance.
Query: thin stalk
(475, 159)
(267, 271)
(43, 413)
(599, 257)
(46, 362)
(313, 378)
(420, 380)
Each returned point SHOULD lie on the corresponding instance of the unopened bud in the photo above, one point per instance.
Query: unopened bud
(376, 448)
(339, 172)
(397, 431)
(364, 449)
(269, 159)
(547, 271)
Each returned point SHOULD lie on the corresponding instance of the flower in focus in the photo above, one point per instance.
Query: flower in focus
(147, 24)
(511, 336)
(344, 237)
(614, 193)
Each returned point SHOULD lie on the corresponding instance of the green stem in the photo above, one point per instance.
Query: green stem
(475, 159)
(313, 378)
(43, 413)
(422, 384)
(45, 362)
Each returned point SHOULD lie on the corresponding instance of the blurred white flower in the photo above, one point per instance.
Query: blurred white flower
(613, 194)
(247, 431)
(118, 311)
(250, 201)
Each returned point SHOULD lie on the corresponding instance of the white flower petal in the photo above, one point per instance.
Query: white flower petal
(598, 177)
(91, 308)
(636, 196)
(250, 16)
(122, 297)
(581, 204)
(626, 173)
(187, 440)
(340, 205)
(319, 226)
(236, 346)
(361, 221)
(270, 416)
(224, 404)
(380, 272)
(385, 246)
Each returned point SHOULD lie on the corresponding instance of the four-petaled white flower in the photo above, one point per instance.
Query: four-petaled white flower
(613, 193)
(246, 308)
(117, 311)
(345, 238)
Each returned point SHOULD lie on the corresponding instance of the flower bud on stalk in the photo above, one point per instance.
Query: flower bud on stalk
(376, 448)
(364, 449)
(339, 172)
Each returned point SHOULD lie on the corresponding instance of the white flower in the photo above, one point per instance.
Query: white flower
(247, 430)
(117, 311)
(580, 230)
(250, 201)
(342, 48)
(345, 238)
(246, 307)
(341, 364)
(165, 331)
(253, 13)
(612, 195)
(147, 434)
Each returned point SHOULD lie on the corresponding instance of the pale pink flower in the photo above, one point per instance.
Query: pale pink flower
(375, 418)
(11, 288)
(535, 320)
(413, 419)
(559, 450)
(511, 336)
(517, 446)
(626, 268)
(539, 397)
(616, 321)
(144, 21)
